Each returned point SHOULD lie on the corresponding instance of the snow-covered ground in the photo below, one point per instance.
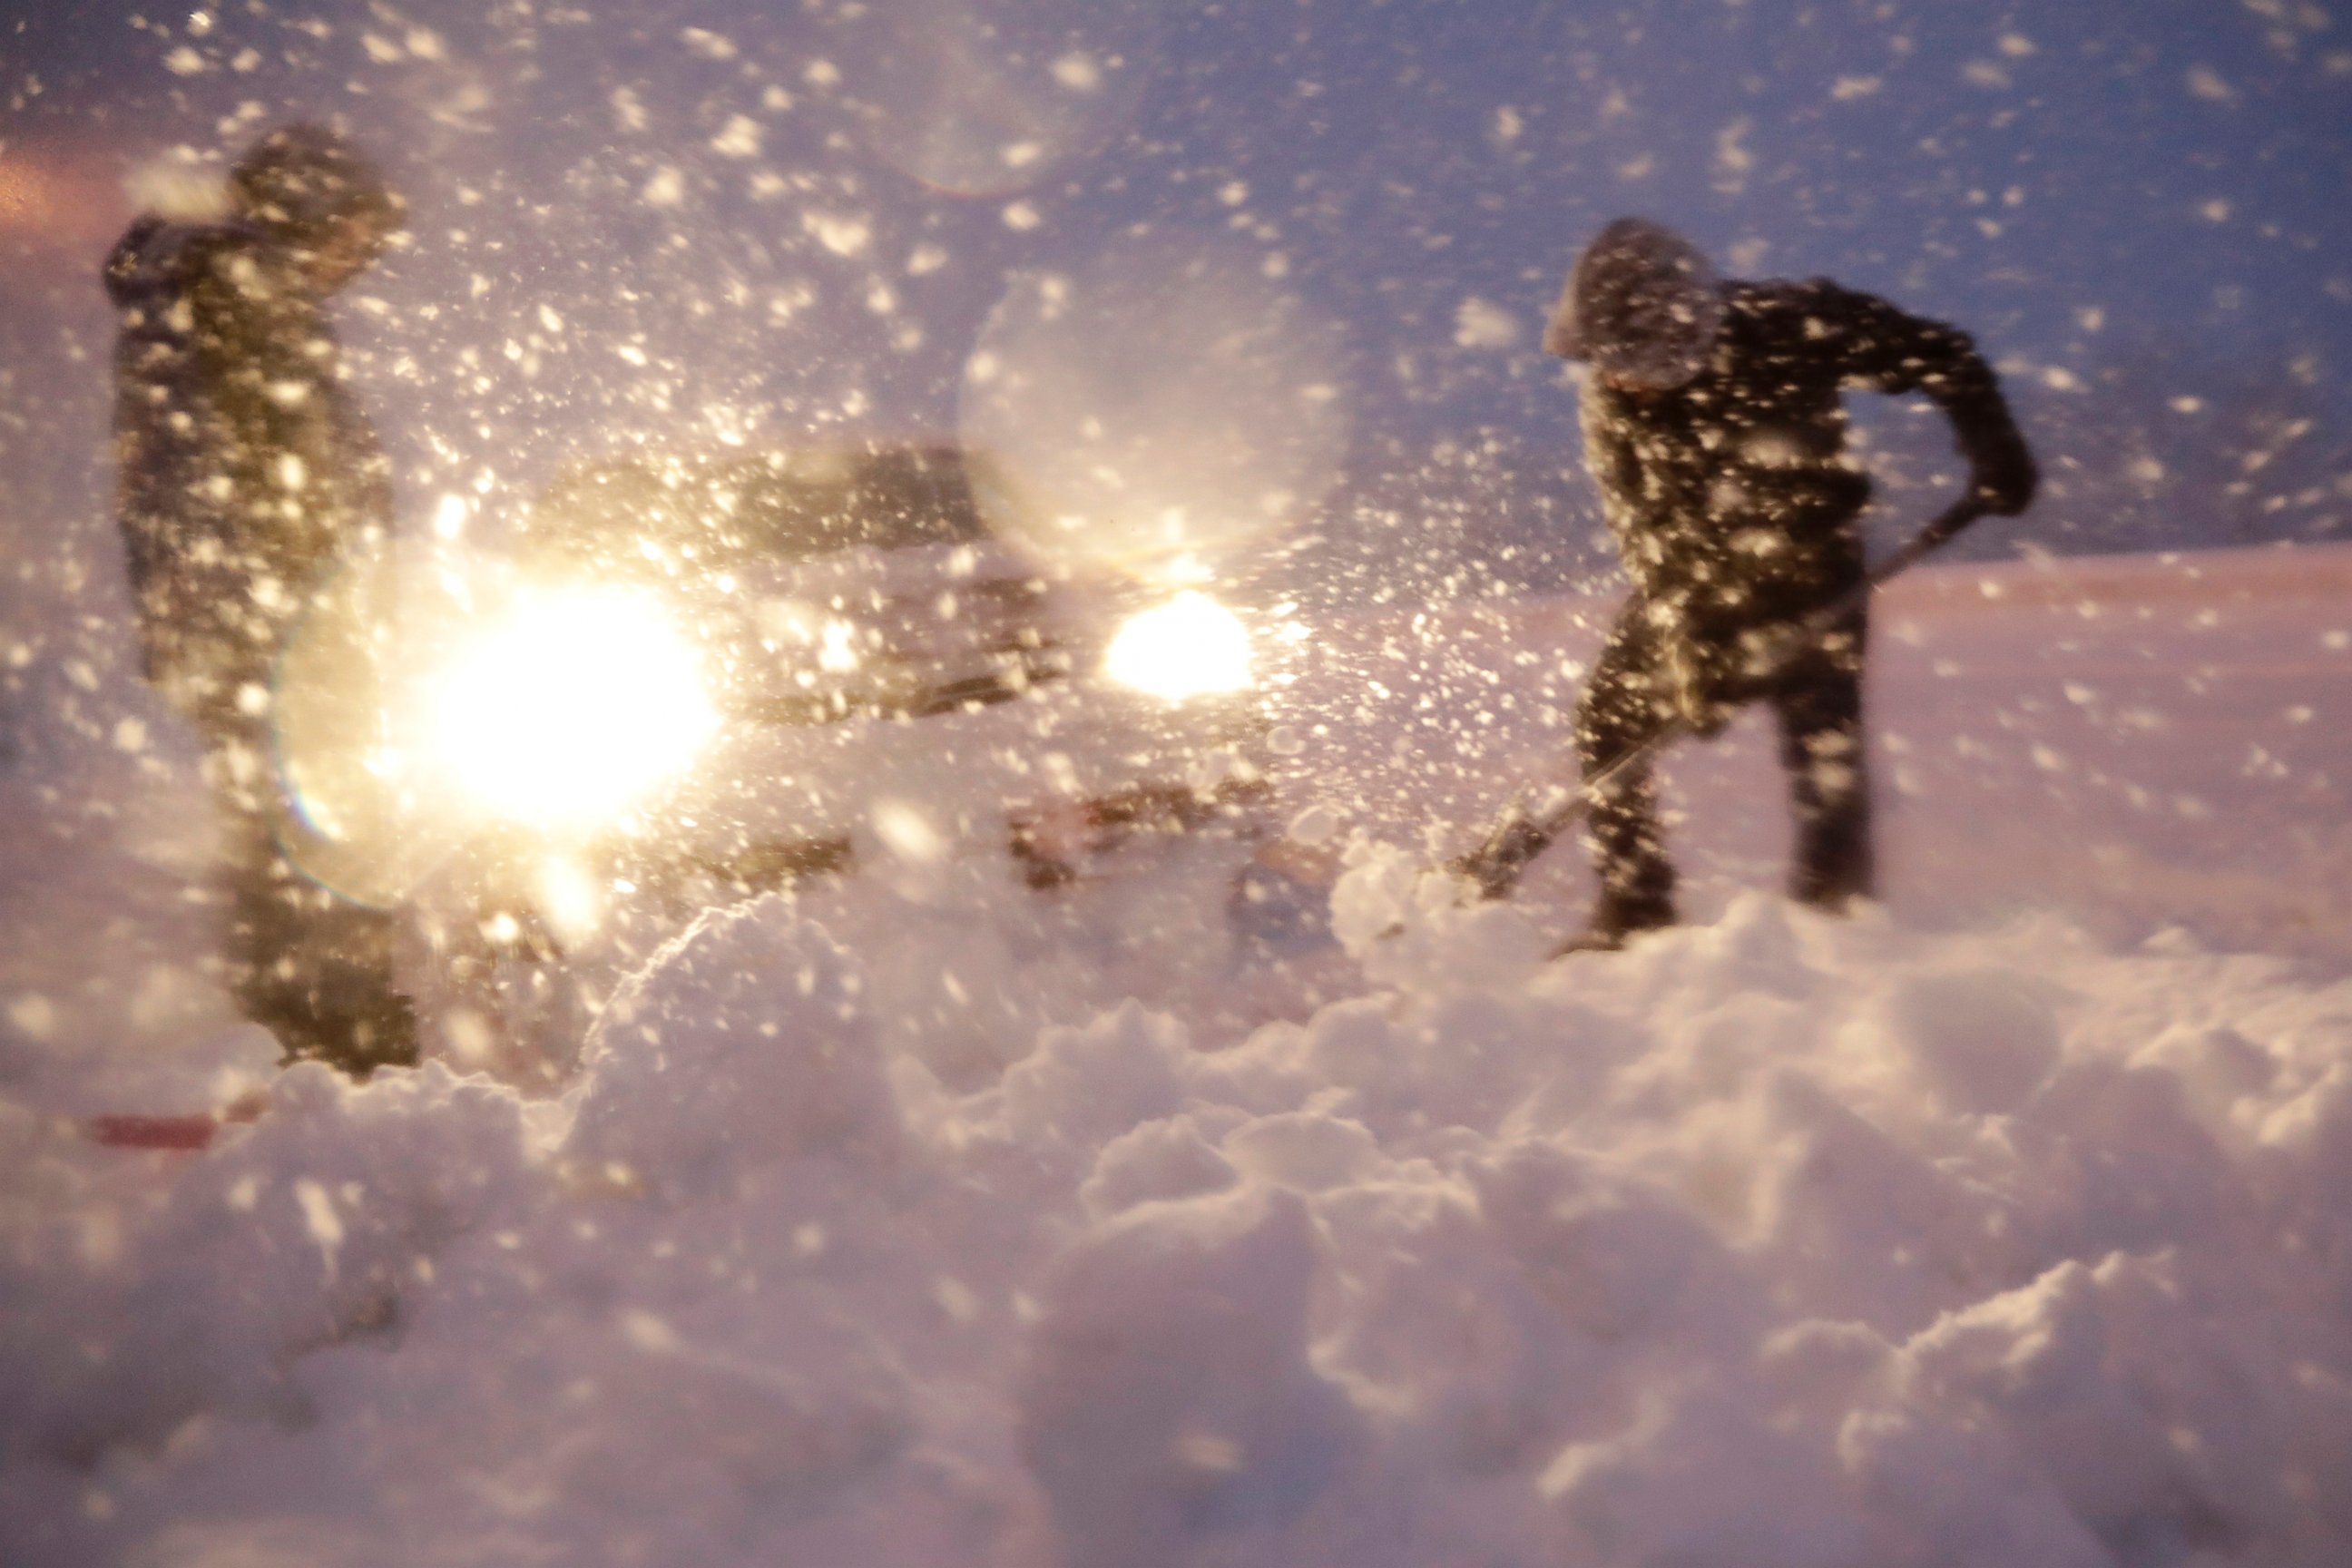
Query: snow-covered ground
(920, 1221)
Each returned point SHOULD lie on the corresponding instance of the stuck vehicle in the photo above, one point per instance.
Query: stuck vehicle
(701, 677)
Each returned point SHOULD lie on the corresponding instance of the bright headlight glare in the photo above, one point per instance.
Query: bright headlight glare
(1190, 647)
(571, 709)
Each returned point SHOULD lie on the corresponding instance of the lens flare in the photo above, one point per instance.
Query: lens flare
(577, 705)
(1165, 399)
(1190, 647)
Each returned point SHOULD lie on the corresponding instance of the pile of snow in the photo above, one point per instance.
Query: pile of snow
(1775, 1241)
(926, 1221)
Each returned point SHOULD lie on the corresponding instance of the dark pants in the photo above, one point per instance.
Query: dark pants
(312, 967)
(1817, 697)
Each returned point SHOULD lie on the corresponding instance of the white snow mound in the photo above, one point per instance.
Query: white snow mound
(1777, 1242)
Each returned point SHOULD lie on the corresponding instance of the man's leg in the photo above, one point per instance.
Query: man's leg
(313, 969)
(1822, 746)
(1625, 705)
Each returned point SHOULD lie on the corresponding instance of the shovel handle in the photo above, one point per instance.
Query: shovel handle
(1515, 840)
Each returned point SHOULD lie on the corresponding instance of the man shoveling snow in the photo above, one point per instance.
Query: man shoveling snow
(1713, 428)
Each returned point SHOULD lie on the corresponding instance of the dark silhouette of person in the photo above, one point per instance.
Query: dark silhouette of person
(1714, 432)
(246, 474)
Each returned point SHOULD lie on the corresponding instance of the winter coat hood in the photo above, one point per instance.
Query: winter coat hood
(1642, 305)
(307, 212)
(301, 183)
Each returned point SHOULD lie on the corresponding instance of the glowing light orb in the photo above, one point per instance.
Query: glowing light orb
(1163, 400)
(575, 706)
(1190, 647)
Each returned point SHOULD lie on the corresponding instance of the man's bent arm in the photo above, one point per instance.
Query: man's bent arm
(1890, 351)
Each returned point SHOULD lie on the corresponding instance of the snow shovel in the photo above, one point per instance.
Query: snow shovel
(1535, 817)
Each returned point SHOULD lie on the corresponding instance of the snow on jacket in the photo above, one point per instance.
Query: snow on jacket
(1730, 496)
(246, 469)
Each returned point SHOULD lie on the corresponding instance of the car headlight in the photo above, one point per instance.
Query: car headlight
(576, 704)
(1190, 647)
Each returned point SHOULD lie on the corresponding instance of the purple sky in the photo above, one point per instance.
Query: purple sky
(804, 221)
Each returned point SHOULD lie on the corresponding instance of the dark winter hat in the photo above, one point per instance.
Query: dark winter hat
(306, 181)
(1642, 304)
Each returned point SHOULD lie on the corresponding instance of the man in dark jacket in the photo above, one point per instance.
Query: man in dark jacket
(246, 476)
(1713, 428)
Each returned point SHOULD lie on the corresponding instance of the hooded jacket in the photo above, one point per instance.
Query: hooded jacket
(244, 468)
(1731, 496)
(1642, 304)
(1714, 430)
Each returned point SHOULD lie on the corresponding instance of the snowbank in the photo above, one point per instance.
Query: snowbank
(890, 1227)
(1774, 1241)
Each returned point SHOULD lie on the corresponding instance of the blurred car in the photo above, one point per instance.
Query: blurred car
(811, 660)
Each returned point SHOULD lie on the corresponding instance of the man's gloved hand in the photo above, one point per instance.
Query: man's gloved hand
(2005, 478)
